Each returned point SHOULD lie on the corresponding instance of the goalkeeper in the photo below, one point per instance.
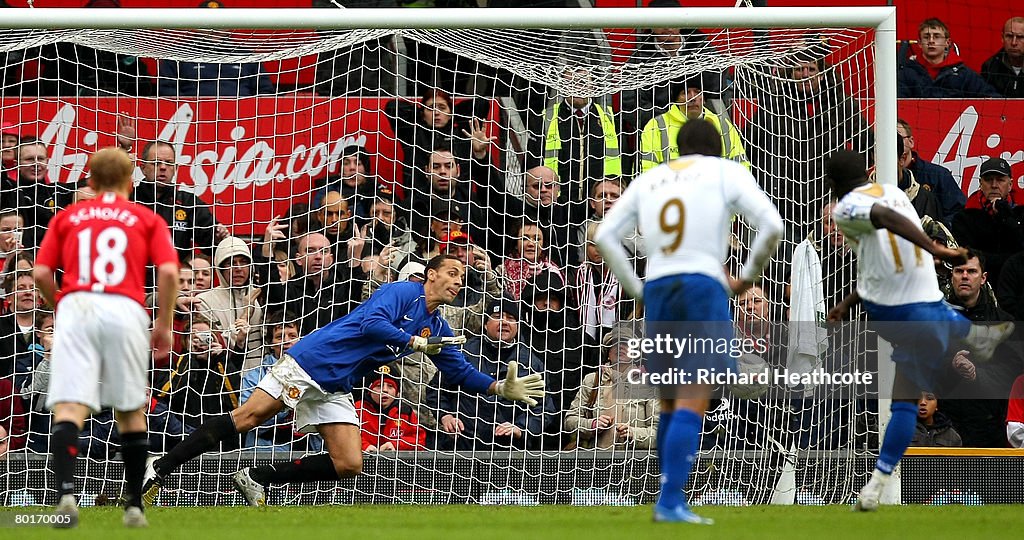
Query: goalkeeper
(315, 378)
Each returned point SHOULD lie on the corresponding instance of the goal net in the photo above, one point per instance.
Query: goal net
(338, 157)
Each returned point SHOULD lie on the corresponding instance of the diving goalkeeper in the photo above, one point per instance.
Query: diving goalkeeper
(315, 379)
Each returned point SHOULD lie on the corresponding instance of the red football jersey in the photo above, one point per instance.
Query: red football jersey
(104, 245)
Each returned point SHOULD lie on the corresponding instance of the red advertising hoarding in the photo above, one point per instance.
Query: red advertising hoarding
(251, 158)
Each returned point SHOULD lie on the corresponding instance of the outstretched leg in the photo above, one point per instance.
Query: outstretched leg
(344, 459)
(257, 409)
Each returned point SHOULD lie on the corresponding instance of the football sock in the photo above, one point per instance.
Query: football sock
(134, 450)
(315, 468)
(64, 447)
(898, 435)
(207, 437)
(681, 444)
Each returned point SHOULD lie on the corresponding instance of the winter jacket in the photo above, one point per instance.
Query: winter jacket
(997, 235)
(481, 413)
(224, 304)
(193, 79)
(201, 387)
(189, 218)
(398, 425)
(658, 141)
(598, 398)
(941, 182)
(997, 72)
(940, 433)
(954, 79)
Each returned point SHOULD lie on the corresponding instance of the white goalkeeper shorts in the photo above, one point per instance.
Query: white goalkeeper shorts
(101, 352)
(288, 382)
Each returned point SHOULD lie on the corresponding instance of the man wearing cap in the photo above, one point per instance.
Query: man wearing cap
(658, 142)
(480, 277)
(317, 375)
(996, 230)
(486, 422)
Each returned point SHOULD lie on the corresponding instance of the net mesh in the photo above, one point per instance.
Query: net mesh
(388, 147)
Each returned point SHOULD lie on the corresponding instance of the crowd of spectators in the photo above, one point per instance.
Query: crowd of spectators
(536, 290)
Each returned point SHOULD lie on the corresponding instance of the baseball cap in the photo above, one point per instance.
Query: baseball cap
(455, 237)
(448, 213)
(411, 268)
(501, 305)
(10, 129)
(996, 166)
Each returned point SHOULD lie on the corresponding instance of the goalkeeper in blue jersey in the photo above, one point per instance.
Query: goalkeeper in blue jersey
(315, 379)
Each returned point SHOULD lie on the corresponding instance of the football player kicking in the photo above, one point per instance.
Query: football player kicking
(897, 286)
(316, 376)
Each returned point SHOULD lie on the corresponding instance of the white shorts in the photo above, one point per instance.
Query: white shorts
(101, 352)
(288, 382)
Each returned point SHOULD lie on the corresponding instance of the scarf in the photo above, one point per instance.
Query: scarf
(519, 271)
(598, 301)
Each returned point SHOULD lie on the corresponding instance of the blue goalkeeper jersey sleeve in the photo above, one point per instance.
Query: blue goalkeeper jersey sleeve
(377, 332)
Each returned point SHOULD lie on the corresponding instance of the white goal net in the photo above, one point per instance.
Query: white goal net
(338, 157)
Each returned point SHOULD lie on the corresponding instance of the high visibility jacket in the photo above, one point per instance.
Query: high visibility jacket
(553, 143)
(659, 137)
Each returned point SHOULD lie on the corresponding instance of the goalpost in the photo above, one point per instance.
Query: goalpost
(793, 84)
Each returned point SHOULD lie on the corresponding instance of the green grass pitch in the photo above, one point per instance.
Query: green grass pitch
(542, 522)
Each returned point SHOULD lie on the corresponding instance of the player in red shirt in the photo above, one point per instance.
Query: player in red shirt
(101, 348)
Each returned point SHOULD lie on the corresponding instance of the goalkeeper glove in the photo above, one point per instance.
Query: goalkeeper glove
(520, 389)
(433, 345)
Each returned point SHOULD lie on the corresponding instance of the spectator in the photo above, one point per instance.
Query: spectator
(387, 423)
(1003, 69)
(540, 204)
(485, 423)
(658, 141)
(996, 230)
(603, 195)
(934, 428)
(555, 335)
(803, 113)
(319, 293)
(32, 379)
(925, 202)
(43, 196)
(355, 183)
(609, 414)
(231, 306)
(202, 271)
(192, 224)
(205, 379)
(12, 227)
(932, 69)
(947, 191)
(431, 125)
(528, 259)
(580, 143)
(17, 324)
(480, 279)
(602, 302)
(9, 137)
(640, 106)
(1015, 414)
(280, 332)
(386, 228)
(977, 392)
(442, 187)
(346, 243)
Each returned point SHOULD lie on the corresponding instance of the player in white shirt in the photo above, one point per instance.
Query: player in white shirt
(896, 282)
(684, 211)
